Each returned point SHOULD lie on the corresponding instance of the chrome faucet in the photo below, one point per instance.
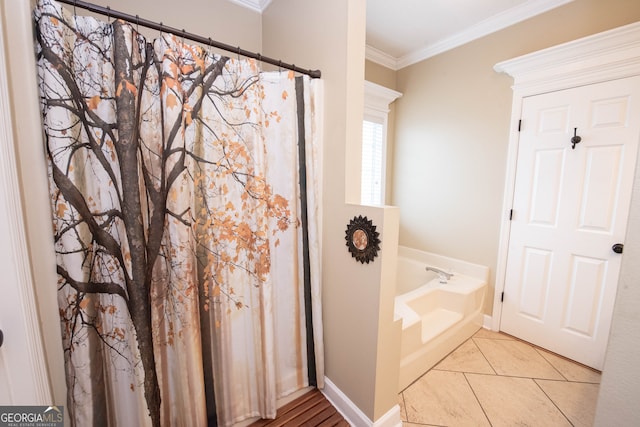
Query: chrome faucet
(443, 275)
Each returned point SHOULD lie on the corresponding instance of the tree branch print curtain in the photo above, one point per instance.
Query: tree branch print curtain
(176, 221)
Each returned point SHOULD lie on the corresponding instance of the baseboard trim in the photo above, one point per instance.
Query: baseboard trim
(487, 323)
(390, 419)
(353, 414)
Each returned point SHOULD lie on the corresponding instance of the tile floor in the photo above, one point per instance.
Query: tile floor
(496, 380)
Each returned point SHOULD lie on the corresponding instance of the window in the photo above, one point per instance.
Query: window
(372, 162)
(374, 142)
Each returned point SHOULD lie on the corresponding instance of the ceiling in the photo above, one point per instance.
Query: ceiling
(403, 32)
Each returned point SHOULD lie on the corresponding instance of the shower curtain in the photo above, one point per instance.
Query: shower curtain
(177, 223)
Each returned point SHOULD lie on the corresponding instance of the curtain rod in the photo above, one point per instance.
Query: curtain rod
(182, 33)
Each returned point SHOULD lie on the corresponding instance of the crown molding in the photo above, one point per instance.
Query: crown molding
(255, 5)
(603, 56)
(495, 23)
(378, 97)
(379, 57)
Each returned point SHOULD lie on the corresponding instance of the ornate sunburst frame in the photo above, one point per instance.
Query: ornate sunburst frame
(362, 239)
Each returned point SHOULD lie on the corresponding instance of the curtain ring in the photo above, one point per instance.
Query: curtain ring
(160, 29)
(183, 33)
(280, 65)
(137, 24)
(210, 43)
(238, 52)
(108, 15)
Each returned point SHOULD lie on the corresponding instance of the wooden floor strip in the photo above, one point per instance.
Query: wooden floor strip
(314, 412)
(311, 409)
(333, 420)
(320, 417)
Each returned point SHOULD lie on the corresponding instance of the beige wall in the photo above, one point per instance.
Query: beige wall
(219, 19)
(380, 74)
(357, 307)
(620, 386)
(452, 127)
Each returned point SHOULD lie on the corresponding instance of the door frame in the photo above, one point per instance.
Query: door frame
(610, 55)
(25, 191)
(11, 203)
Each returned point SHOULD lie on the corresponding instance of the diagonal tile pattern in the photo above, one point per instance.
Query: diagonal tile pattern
(516, 359)
(571, 370)
(512, 401)
(439, 396)
(494, 379)
(575, 400)
(466, 358)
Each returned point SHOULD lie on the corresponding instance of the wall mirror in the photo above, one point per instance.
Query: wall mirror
(362, 239)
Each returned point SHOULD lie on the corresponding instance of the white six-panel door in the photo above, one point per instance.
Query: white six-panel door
(570, 207)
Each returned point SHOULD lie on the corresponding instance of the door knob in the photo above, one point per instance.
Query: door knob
(1, 337)
(617, 248)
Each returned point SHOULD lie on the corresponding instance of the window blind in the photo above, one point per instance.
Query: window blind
(372, 144)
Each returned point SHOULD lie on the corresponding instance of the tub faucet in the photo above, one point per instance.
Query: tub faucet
(443, 275)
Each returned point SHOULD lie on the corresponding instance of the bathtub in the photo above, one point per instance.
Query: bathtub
(436, 318)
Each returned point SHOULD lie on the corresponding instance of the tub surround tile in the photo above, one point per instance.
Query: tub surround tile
(466, 358)
(517, 359)
(510, 401)
(571, 370)
(575, 400)
(443, 398)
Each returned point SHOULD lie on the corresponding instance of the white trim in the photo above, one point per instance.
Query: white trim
(605, 56)
(609, 55)
(379, 97)
(391, 419)
(507, 203)
(376, 104)
(352, 414)
(12, 203)
(255, 5)
(379, 57)
(487, 322)
(490, 25)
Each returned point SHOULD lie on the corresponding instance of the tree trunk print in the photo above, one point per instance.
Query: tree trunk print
(134, 162)
(127, 153)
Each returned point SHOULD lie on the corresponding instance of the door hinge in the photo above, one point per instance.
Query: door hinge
(511, 215)
(519, 125)
(502, 297)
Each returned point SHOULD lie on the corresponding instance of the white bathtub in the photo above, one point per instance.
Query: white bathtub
(436, 318)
